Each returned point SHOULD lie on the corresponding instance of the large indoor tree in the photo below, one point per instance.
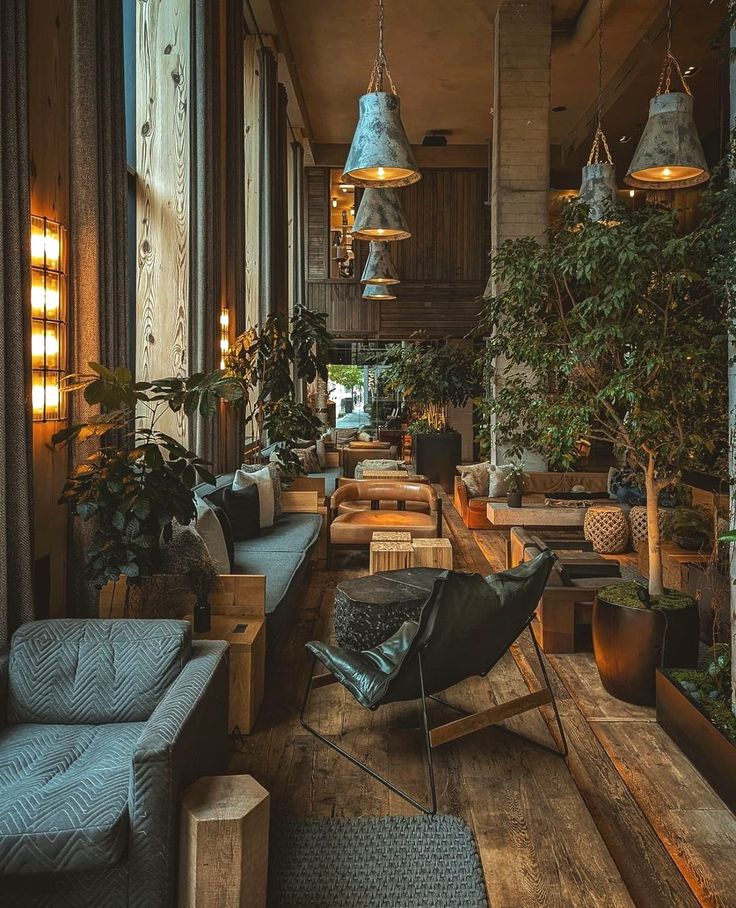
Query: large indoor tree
(616, 333)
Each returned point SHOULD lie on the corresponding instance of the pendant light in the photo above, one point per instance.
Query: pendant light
(669, 153)
(380, 217)
(380, 269)
(598, 188)
(377, 292)
(380, 153)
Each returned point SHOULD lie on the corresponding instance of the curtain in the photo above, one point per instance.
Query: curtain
(98, 228)
(268, 179)
(297, 226)
(16, 445)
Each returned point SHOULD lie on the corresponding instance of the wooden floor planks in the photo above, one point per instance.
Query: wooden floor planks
(609, 828)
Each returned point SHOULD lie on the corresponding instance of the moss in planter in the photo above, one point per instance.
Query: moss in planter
(628, 594)
(699, 687)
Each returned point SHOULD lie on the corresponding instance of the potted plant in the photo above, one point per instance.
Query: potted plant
(691, 529)
(433, 376)
(514, 475)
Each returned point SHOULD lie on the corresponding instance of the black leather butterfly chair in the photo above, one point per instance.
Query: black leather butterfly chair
(466, 625)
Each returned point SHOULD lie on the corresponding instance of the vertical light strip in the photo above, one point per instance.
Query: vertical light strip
(224, 335)
(48, 314)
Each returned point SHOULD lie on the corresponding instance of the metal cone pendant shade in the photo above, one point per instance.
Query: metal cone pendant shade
(380, 269)
(380, 154)
(380, 217)
(598, 191)
(377, 292)
(669, 154)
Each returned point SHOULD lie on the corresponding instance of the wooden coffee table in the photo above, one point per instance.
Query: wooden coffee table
(503, 517)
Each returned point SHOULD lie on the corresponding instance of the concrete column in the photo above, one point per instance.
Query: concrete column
(520, 167)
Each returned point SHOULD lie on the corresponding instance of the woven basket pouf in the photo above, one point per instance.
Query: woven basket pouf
(639, 525)
(608, 529)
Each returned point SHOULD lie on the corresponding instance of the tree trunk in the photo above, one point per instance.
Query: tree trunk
(656, 587)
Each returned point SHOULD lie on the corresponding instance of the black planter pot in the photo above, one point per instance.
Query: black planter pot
(630, 644)
(201, 618)
(437, 456)
(513, 499)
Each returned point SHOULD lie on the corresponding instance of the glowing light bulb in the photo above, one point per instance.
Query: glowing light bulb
(632, 193)
(52, 396)
(224, 318)
(381, 173)
(37, 397)
(37, 246)
(666, 173)
(380, 231)
(48, 344)
(223, 345)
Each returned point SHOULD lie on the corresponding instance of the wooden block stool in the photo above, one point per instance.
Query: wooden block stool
(436, 553)
(391, 556)
(391, 536)
(223, 843)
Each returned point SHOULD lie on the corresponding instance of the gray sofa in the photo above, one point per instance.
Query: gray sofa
(102, 723)
(282, 553)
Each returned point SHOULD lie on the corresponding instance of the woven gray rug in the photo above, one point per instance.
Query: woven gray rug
(375, 862)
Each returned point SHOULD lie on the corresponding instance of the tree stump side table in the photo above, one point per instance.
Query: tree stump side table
(433, 553)
(390, 556)
(371, 609)
(223, 843)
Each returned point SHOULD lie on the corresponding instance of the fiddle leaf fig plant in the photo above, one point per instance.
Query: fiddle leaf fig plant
(615, 333)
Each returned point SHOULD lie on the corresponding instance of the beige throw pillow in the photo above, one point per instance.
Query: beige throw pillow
(262, 478)
(209, 528)
(476, 478)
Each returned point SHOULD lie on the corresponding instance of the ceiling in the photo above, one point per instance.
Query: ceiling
(441, 57)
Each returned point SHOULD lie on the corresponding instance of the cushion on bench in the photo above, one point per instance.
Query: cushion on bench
(64, 796)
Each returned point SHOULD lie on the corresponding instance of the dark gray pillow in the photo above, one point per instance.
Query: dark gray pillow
(243, 511)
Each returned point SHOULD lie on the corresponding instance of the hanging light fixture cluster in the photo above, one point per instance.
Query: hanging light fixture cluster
(598, 188)
(669, 153)
(380, 160)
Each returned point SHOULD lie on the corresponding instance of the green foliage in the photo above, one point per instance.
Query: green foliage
(139, 479)
(514, 476)
(347, 376)
(614, 333)
(266, 361)
(432, 376)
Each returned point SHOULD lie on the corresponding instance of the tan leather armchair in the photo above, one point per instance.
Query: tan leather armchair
(353, 529)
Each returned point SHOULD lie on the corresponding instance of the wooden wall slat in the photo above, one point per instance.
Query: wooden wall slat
(317, 234)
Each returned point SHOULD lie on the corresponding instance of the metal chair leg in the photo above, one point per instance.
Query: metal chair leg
(542, 665)
(428, 809)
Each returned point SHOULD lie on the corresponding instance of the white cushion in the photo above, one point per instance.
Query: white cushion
(208, 527)
(497, 485)
(262, 478)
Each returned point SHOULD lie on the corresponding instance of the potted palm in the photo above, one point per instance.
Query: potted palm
(622, 314)
(433, 376)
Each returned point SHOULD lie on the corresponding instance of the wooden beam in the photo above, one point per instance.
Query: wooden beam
(469, 724)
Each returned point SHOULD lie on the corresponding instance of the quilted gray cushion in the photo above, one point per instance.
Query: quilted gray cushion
(64, 796)
(294, 533)
(73, 670)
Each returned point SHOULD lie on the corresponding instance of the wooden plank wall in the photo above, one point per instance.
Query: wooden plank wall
(252, 90)
(163, 103)
(443, 266)
(48, 127)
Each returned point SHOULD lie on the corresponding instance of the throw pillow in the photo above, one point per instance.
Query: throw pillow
(262, 479)
(321, 453)
(497, 486)
(363, 436)
(186, 553)
(227, 532)
(275, 470)
(242, 508)
(476, 478)
(308, 458)
(209, 528)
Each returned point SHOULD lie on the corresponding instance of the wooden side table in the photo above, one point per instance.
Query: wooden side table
(390, 556)
(223, 843)
(247, 656)
(391, 536)
(435, 553)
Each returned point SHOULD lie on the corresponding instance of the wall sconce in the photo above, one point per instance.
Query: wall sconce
(48, 312)
(224, 335)
(334, 201)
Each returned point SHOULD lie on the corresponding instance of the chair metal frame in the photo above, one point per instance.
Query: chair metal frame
(450, 731)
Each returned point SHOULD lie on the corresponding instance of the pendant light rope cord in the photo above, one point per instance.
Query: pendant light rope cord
(670, 62)
(380, 66)
(599, 140)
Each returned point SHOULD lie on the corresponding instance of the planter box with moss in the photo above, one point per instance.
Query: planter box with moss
(634, 634)
(702, 726)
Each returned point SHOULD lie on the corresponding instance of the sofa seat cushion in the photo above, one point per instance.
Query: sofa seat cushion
(279, 569)
(348, 507)
(294, 533)
(330, 476)
(357, 528)
(64, 796)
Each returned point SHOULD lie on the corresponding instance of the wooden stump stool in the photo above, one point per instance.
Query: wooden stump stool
(391, 536)
(433, 553)
(390, 556)
(223, 843)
